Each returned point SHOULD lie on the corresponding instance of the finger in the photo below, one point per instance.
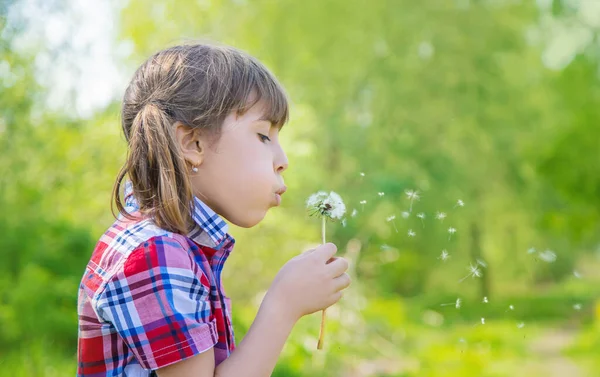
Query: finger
(334, 298)
(337, 267)
(341, 282)
(325, 251)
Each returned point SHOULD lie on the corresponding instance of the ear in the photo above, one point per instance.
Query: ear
(191, 145)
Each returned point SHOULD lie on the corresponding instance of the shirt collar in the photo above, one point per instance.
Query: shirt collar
(209, 228)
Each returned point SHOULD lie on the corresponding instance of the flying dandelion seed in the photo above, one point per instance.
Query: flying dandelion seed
(577, 306)
(510, 307)
(531, 250)
(362, 203)
(344, 222)
(444, 256)
(481, 263)
(577, 274)
(412, 196)
(451, 231)
(381, 194)
(440, 216)
(485, 300)
(405, 215)
(520, 325)
(411, 233)
(362, 174)
(354, 212)
(548, 256)
(456, 304)
(385, 247)
(474, 271)
(459, 203)
(421, 216)
(391, 219)
(482, 321)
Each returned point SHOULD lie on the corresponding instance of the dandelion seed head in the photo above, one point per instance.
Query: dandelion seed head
(444, 256)
(475, 271)
(390, 218)
(405, 214)
(548, 256)
(411, 233)
(412, 194)
(329, 205)
(440, 215)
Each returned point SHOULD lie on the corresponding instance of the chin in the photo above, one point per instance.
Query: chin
(248, 221)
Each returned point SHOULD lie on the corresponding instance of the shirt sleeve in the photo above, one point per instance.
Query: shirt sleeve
(160, 304)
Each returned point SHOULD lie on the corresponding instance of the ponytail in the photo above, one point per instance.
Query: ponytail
(157, 170)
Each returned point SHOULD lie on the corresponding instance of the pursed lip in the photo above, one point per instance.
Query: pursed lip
(281, 190)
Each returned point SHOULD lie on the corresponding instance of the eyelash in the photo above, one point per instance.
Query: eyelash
(263, 138)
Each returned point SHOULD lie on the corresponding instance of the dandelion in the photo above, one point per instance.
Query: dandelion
(326, 206)
(577, 306)
(381, 194)
(440, 216)
(354, 212)
(451, 231)
(485, 300)
(411, 233)
(459, 203)
(548, 256)
(422, 217)
(412, 196)
(520, 325)
(391, 219)
(362, 203)
(444, 256)
(474, 271)
(405, 215)
(456, 304)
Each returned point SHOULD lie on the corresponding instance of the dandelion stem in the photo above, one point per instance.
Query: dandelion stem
(322, 331)
(394, 223)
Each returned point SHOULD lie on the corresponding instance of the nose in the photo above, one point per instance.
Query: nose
(281, 161)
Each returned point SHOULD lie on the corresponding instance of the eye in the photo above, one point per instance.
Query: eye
(263, 138)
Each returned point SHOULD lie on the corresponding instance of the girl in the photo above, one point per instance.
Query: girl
(202, 124)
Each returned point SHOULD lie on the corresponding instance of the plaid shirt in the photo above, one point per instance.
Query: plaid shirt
(150, 298)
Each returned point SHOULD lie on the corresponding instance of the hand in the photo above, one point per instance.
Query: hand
(309, 282)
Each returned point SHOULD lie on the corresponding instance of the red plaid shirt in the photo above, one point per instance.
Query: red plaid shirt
(150, 298)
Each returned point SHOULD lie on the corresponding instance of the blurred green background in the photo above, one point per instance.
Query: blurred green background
(492, 102)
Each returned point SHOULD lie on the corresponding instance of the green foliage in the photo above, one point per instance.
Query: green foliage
(449, 98)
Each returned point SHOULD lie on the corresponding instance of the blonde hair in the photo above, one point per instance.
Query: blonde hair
(197, 85)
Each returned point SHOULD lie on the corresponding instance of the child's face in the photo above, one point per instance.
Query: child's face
(241, 173)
